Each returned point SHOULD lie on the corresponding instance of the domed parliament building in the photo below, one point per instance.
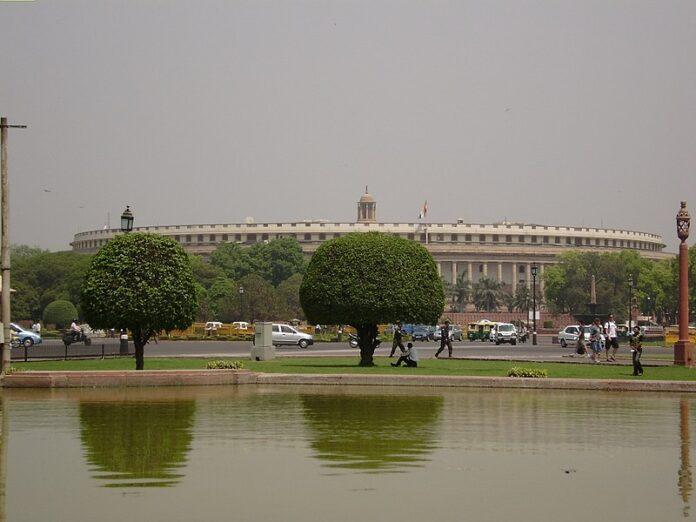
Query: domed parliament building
(502, 251)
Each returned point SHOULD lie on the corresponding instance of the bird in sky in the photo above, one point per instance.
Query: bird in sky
(47, 190)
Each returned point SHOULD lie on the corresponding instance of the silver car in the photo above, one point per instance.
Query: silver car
(286, 334)
(570, 334)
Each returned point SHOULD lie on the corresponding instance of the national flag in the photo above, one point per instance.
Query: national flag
(424, 210)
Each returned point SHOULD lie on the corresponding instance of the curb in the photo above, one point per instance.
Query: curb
(144, 378)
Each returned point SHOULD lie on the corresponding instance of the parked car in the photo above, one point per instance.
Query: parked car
(505, 333)
(455, 333)
(288, 335)
(569, 335)
(422, 332)
(212, 326)
(240, 325)
(24, 337)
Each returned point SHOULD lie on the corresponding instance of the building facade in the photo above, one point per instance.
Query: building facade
(502, 251)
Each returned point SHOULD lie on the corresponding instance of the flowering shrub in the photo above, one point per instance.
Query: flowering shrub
(517, 371)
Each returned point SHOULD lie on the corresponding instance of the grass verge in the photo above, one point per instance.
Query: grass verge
(349, 365)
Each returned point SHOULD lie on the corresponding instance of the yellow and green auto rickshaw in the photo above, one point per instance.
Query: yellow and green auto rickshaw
(480, 330)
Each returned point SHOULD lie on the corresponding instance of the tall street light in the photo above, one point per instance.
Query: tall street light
(5, 312)
(535, 269)
(127, 220)
(241, 302)
(630, 305)
(683, 349)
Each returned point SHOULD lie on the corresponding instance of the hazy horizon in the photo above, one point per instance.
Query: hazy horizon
(556, 113)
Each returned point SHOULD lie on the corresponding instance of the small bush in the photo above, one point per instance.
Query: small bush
(548, 324)
(59, 312)
(11, 370)
(225, 365)
(516, 371)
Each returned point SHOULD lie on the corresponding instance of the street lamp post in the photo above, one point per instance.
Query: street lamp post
(241, 302)
(127, 220)
(5, 312)
(630, 305)
(683, 349)
(535, 269)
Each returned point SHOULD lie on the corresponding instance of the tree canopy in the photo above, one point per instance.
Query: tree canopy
(142, 282)
(567, 284)
(364, 279)
(60, 312)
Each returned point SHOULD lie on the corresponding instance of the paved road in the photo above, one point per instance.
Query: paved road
(545, 350)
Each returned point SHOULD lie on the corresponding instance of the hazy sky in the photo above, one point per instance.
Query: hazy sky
(578, 112)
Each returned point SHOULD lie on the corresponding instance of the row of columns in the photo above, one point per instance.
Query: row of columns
(515, 273)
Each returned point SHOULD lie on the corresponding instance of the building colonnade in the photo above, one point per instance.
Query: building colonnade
(508, 273)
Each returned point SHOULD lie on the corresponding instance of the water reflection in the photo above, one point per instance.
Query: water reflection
(372, 433)
(684, 482)
(137, 443)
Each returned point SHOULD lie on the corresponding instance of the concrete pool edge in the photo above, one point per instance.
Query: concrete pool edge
(143, 378)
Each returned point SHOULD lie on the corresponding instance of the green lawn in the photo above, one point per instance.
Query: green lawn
(349, 365)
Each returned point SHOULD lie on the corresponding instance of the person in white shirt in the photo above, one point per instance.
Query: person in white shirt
(612, 339)
(75, 330)
(409, 358)
(36, 328)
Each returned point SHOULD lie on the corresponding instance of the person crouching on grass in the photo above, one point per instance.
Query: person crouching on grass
(409, 358)
(637, 350)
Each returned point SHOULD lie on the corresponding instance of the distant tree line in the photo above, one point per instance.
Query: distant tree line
(269, 274)
(567, 287)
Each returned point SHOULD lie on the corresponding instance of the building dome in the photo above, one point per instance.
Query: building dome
(366, 198)
(367, 208)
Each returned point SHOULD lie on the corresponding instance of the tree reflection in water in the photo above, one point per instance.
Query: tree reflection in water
(137, 443)
(372, 433)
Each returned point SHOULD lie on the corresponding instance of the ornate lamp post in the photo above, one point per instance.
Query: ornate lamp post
(127, 220)
(535, 270)
(630, 305)
(683, 349)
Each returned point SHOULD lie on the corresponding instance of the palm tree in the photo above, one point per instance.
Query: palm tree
(462, 292)
(508, 299)
(523, 299)
(486, 295)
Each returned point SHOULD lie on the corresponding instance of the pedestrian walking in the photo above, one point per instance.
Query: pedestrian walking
(36, 327)
(612, 339)
(409, 357)
(596, 340)
(445, 339)
(637, 350)
(398, 339)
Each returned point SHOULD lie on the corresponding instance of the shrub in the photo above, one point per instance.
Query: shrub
(59, 312)
(143, 283)
(548, 324)
(365, 279)
(225, 365)
(517, 371)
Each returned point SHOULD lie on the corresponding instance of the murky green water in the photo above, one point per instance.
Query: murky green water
(339, 454)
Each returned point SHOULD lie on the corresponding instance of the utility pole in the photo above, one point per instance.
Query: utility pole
(5, 244)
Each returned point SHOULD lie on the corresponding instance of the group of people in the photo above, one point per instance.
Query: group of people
(409, 354)
(605, 338)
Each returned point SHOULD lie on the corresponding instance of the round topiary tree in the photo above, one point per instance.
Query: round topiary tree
(59, 312)
(141, 282)
(364, 279)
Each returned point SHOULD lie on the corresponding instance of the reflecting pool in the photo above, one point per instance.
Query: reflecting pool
(344, 453)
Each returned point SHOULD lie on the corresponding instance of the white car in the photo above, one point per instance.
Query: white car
(286, 334)
(505, 333)
(569, 335)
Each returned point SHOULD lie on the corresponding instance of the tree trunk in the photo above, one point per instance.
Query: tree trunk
(140, 339)
(139, 353)
(367, 335)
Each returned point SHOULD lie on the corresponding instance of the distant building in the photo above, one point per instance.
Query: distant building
(500, 251)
